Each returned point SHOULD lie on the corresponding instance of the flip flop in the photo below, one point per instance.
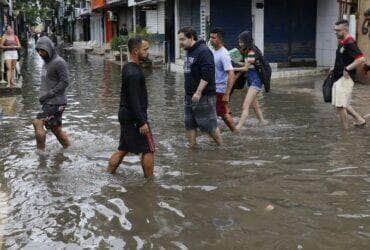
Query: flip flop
(362, 125)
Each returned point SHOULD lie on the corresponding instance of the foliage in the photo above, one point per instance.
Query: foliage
(117, 42)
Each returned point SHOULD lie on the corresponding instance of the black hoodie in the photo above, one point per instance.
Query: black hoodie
(199, 64)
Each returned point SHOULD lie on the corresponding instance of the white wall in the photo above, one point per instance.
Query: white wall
(155, 19)
(258, 24)
(326, 42)
(96, 29)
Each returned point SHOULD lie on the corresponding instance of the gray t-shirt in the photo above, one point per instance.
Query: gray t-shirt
(222, 65)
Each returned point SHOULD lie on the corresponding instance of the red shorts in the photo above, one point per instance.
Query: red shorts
(222, 107)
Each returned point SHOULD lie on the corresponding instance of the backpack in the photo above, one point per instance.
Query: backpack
(263, 68)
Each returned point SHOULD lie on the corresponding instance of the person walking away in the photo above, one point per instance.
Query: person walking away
(53, 99)
(200, 88)
(254, 82)
(224, 76)
(10, 44)
(348, 58)
(136, 136)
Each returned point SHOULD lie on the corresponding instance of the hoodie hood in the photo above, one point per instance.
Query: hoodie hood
(247, 38)
(46, 44)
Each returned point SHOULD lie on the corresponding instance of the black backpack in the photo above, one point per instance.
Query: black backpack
(263, 68)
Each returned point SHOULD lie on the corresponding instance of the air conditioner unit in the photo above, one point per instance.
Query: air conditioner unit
(112, 17)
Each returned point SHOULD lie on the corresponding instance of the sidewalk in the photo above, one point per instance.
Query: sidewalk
(277, 73)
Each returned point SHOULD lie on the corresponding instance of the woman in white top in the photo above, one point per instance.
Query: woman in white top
(10, 45)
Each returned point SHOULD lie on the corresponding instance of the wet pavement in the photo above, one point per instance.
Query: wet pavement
(296, 183)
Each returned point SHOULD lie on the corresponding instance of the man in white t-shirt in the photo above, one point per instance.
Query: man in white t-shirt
(224, 76)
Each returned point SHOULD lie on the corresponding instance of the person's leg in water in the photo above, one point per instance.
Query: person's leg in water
(8, 64)
(114, 161)
(359, 119)
(216, 136)
(251, 95)
(258, 111)
(14, 63)
(61, 136)
(191, 135)
(147, 163)
(40, 133)
(343, 117)
(229, 121)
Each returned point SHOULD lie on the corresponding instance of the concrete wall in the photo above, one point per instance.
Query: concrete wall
(326, 42)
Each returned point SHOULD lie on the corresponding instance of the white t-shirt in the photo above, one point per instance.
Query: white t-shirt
(222, 65)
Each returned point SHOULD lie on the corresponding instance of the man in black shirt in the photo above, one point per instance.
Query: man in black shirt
(348, 58)
(136, 136)
(200, 87)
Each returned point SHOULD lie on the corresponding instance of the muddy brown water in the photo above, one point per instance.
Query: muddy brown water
(314, 176)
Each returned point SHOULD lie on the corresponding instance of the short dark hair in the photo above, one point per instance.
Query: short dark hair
(189, 32)
(135, 43)
(342, 21)
(220, 33)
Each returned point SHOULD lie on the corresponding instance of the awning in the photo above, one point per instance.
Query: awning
(139, 2)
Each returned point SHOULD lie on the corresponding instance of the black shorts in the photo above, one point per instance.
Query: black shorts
(202, 114)
(52, 115)
(131, 141)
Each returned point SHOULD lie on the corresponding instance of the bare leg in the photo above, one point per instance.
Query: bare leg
(147, 163)
(40, 133)
(8, 64)
(343, 117)
(114, 161)
(191, 135)
(354, 114)
(229, 121)
(14, 62)
(251, 95)
(257, 110)
(61, 136)
(216, 135)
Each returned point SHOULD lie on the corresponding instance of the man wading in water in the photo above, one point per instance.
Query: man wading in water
(135, 137)
(224, 77)
(54, 81)
(200, 88)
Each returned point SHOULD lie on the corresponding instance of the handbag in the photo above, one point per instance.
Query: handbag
(327, 87)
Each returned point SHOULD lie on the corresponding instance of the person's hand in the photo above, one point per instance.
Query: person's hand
(144, 129)
(226, 98)
(196, 97)
(346, 74)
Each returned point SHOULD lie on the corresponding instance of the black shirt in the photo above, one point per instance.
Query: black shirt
(347, 53)
(134, 96)
(199, 64)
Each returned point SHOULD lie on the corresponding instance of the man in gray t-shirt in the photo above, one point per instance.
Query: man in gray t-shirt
(224, 77)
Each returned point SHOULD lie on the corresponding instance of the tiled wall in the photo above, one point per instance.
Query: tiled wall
(326, 43)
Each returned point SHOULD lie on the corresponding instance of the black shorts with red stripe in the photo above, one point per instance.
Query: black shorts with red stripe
(132, 141)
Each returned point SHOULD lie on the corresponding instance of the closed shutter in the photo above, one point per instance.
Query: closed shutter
(189, 12)
(233, 17)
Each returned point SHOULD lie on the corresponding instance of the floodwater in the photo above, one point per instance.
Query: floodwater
(313, 178)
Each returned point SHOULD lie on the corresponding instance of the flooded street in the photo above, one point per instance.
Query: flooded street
(315, 177)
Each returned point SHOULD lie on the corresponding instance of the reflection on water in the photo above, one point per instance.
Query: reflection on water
(315, 177)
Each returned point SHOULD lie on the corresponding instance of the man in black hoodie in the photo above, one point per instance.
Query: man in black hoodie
(200, 87)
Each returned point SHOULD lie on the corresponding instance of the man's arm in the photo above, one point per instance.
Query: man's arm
(133, 100)
(207, 68)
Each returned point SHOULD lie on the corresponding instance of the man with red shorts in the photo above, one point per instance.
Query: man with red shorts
(224, 76)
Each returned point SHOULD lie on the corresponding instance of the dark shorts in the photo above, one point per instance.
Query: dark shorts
(222, 107)
(131, 141)
(253, 80)
(52, 115)
(201, 115)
